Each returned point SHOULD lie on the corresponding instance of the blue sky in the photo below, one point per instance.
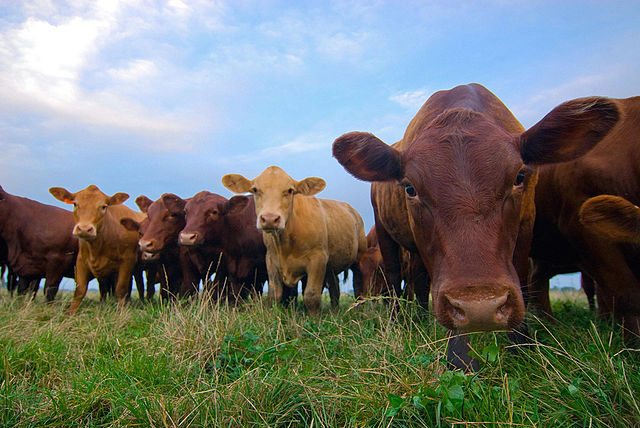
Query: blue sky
(148, 97)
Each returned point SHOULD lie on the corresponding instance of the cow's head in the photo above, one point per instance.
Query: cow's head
(464, 179)
(163, 225)
(89, 208)
(203, 219)
(274, 191)
(612, 217)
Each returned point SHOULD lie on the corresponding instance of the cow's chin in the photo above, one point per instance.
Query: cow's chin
(271, 230)
(85, 236)
(149, 257)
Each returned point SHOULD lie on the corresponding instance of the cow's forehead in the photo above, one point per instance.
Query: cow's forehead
(273, 178)
(91, 195)
(156, 208)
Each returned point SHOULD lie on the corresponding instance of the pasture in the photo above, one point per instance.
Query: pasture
(205, 365)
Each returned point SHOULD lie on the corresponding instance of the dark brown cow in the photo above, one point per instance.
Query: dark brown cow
(457, 191)
(38, 241)
(230, 227)
(158, 242)
(106, 249)
(612, 168)
(200, 260)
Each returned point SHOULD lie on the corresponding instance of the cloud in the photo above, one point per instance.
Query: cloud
(136, 70)
(412, 100)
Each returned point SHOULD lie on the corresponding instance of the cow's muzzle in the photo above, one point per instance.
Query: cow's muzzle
(86, 231)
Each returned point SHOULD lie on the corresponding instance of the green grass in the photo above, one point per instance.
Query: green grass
(201, 365)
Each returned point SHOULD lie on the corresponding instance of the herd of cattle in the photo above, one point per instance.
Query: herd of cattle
(469, 207)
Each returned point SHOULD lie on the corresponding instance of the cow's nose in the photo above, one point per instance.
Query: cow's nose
(84, 230)
(487, 313)
(147, 244)
(188, 238)
(269, 221)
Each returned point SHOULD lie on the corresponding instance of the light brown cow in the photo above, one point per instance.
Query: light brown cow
(457, 192)
(304, 235)
(106, 248)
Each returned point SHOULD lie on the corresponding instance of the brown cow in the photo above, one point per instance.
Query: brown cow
(304, 235)
(200, 260)
(106, 248)
(229, 226)
(38, 242)
(161, 254)
(612, 217)
(610, 168)
(457, 191)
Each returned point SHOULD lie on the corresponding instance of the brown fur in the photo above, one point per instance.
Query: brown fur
(468, 223)
(111, 250)
(610, 168)
(37, 242)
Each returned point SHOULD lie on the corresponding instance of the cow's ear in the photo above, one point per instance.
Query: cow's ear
(235, 204)
(368, 158)
(130, 224)
(62, 194)
(236, 183)
(117, 199)
(175, 204)
(612, 217)
(310, 186)
(568, 131)
(143, 203)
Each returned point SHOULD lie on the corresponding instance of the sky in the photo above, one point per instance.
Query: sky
(148, 97)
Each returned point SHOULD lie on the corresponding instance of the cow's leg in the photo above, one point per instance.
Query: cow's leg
(190, 275)
(420, 280)
(458, 353)
(538, 289)
(51, 285)
(137, 274)
(334, 288)
(315, 278)
(390, 251)
(83, 276)
(589, 287)
(123, 284)
(358, 280)
(274, 293)
(151, 273)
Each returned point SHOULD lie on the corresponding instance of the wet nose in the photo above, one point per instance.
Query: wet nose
(270, 221)
(147, 245)
(84, 230)
(188, 238)
(482, 311)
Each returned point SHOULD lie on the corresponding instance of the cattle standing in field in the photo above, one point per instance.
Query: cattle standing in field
(610, 168)
(457, 192)
(199, 260)
(38, 242)
(304, 235)
(229, 226)
(158, 243)
(106, 249)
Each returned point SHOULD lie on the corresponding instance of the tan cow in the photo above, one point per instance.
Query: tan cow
(106, 248)
(304, 235)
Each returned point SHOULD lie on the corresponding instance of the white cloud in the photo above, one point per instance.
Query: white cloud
(412, 100)
(344, 47)
(136, 70)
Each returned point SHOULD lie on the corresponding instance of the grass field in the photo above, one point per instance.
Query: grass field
(201, 365)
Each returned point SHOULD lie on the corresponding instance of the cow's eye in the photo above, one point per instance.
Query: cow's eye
(411, 192)
(103, 208)
(290, 191)
(254, 190)
(519, 178)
